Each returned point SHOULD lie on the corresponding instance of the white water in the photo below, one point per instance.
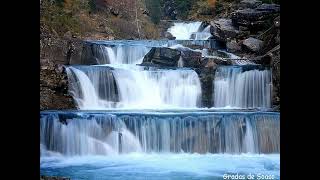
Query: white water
(184, 31)
(84, 90)
(237, 89)
(100, 134)
(122, 54)
(138, 88)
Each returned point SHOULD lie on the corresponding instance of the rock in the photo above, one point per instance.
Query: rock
(233, 46)
(216, 60)
(249, 3)
(162, 56)
(252, 44)
(169, 36)
(274, 8)
(60, 51)
(222, 30)
(208, 63)
(274, 55)
(191, 58)
(254, 19)
(54, 87)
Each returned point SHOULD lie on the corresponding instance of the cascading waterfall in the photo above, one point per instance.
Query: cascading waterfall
(122, 54)
(186, 31)
(135, 120)
(73, 134)
(117, 54)
(133, 88)
(234, 87)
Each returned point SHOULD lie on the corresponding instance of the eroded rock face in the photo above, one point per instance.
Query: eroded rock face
(54, 87)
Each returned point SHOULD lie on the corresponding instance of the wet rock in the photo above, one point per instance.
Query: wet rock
(191, 58)
(162, 56)
(218, 61)
(233, 46)
(208, 63)
(252, 44)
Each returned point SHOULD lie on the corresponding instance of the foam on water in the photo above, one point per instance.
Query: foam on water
(187, 31)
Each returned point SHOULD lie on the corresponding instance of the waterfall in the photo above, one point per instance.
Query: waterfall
(186, 31)
(234, 87)
(91, 88)
(73, 134)
(102, 87)
(114, 54)
(122, 54)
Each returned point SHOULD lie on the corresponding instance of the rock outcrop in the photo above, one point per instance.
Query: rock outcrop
(54, 53)
(162, 56)
(256, 19)
(252, 44)
(54, 87)
(223, 30)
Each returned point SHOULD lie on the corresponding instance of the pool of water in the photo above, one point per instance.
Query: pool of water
(156, 166)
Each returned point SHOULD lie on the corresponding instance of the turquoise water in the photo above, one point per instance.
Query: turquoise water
(162, 166)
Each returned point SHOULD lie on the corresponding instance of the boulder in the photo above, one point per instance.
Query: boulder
(162, 56)
(223, 29)
(233, 46)
(252, 44)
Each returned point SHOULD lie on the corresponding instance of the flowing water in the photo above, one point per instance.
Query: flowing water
(192, 30)
(237, 88)
(136, 122)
